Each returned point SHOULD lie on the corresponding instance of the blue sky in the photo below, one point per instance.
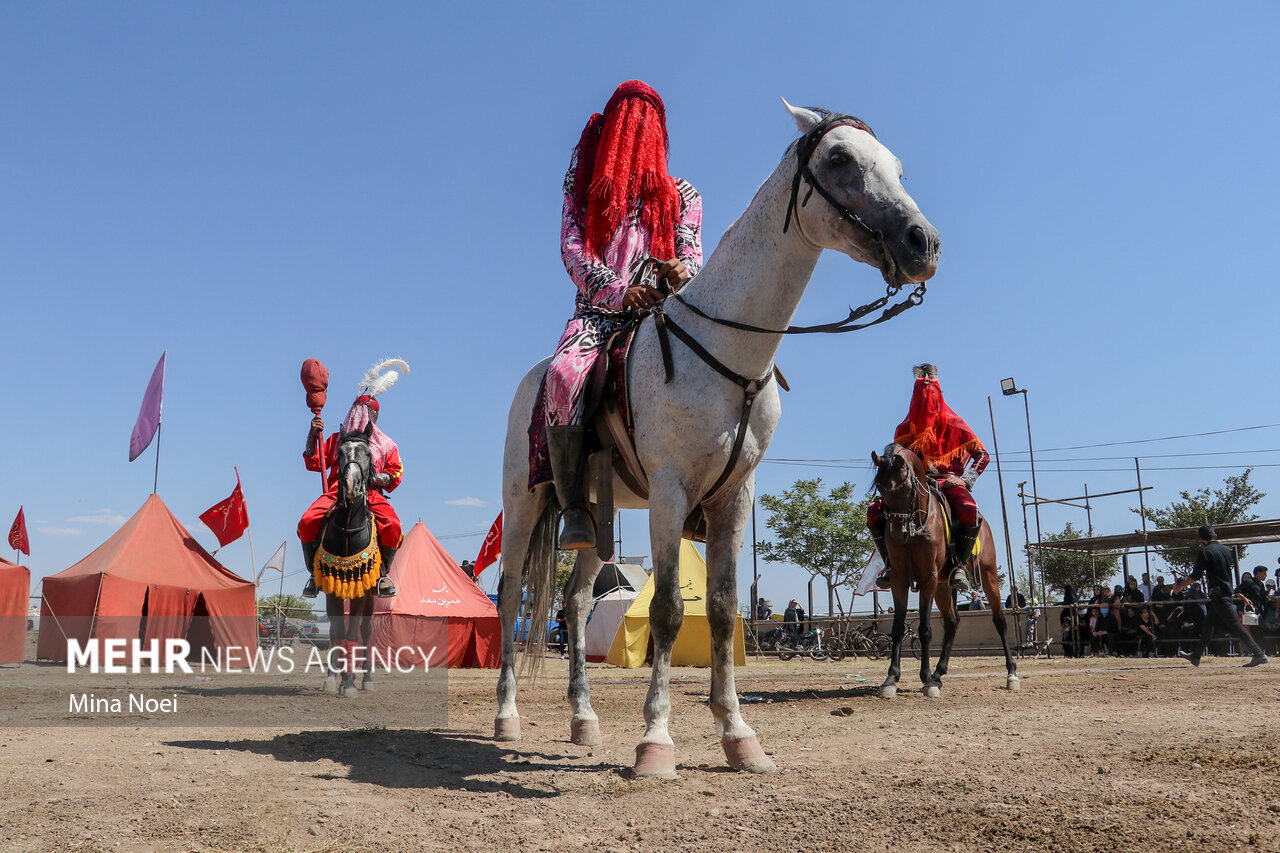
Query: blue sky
(248, 186)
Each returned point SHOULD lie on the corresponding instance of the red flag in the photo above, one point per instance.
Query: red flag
(228, 519)
(18, 535)
(491, 547)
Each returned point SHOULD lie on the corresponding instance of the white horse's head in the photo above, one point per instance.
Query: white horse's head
(880, 225)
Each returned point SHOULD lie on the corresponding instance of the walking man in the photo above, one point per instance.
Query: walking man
(1214, 565)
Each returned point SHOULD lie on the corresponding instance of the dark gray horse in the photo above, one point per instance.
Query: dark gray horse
(350, 562)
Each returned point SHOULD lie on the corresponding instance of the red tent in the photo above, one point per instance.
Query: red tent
(432, 592)
(15, 593)
(150, 580)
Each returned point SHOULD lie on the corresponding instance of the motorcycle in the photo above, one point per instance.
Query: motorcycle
(810, 644)
(767, 641)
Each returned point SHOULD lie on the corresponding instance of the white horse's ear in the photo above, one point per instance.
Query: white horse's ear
(805, 119)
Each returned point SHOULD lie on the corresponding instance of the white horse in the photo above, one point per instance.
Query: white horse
(685, 430)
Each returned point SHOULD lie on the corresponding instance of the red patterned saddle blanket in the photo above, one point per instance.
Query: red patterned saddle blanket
(607, 406)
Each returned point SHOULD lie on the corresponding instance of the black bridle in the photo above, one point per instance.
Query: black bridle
(918, 491)
(366, 474)
(804, 152)
(751, 387)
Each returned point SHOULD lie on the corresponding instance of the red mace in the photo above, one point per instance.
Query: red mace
(315, 379)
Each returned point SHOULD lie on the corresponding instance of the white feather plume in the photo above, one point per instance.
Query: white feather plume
(381, 377)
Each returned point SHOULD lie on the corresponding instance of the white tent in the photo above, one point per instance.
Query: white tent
(606, 616)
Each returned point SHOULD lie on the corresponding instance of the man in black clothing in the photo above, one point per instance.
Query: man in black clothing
(763, 611)
(1214, 565)
(1252, 587)
(793, 620)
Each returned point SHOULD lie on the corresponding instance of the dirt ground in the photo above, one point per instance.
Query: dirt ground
(1097, 755)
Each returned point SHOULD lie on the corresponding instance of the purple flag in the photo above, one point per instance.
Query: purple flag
(149, 414)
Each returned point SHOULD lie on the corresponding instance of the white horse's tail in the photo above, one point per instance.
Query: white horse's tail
(540, 581)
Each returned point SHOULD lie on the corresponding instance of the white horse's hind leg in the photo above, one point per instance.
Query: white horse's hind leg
(668, 506)
(520, 516)
(584, 727)
(725, 528)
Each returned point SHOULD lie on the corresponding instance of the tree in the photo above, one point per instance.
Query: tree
(293, 606)
(565, 561)
(824, 534)
(1228, 505)
(1059, 568)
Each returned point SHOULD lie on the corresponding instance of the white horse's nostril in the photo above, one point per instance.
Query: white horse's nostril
(923, 242)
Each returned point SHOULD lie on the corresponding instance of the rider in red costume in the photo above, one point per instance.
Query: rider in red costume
(388, 472)
(954, 457)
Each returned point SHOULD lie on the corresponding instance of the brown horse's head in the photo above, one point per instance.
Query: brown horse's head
(900, 478)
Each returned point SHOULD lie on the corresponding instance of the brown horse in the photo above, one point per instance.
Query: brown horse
(915, 537)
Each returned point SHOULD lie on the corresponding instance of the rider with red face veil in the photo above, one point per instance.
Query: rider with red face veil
(620, 208)
(954, 458)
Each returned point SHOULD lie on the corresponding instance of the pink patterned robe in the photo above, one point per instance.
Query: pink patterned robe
(601, 284)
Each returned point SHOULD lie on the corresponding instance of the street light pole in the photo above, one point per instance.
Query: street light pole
(1008, 387)
(1004, 512)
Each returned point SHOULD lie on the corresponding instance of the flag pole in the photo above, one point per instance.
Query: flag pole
(155, 484)
(279, 600)
(253, 564)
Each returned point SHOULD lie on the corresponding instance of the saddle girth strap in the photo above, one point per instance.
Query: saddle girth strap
(750, 387)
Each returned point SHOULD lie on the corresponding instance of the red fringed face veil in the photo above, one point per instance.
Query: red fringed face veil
(932, 431)
(622, 158)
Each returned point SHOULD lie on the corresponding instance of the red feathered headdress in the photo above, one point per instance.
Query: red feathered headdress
(932, 431)
(622, 157)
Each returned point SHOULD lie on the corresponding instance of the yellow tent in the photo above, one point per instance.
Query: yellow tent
(693, 644)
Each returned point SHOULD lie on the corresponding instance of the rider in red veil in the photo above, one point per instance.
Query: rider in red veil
(954, 457)
(621, 208)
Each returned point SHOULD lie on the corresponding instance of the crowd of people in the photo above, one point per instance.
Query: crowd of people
(1142, 619)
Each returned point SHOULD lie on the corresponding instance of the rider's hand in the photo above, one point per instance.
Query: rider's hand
(675, 272)
(641, 296)
(317, 425)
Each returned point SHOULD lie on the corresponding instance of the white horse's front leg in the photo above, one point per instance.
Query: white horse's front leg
(725, 527)
(584, 727)
(668, 506)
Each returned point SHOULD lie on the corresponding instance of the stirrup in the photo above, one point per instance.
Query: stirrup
(582, 534)
(958, 580)
(310, 590)
(386, 589)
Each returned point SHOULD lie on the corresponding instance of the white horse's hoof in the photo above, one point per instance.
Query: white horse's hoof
(585, 732)
(888, 691)
(655, 761)
(349, 692)
(1013, 683)
(330, 685)
(506, 728)
(747, 754)
(932, 692)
